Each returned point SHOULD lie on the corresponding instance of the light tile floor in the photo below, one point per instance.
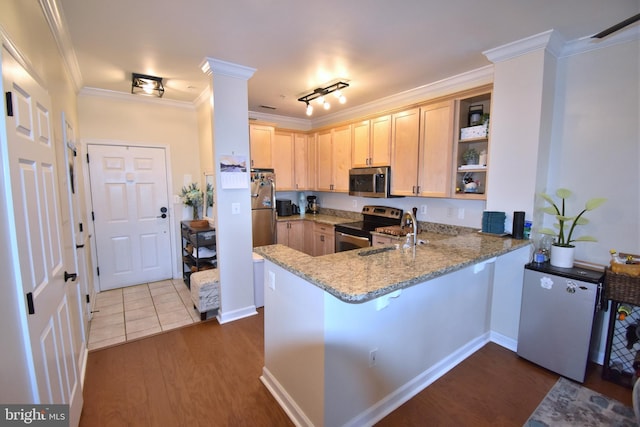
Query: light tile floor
(128, 313)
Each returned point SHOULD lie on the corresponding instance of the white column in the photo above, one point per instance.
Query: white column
(230, 123)
(521, 122)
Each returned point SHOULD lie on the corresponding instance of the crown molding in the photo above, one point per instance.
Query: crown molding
(128, 97)
(467, 80)
(587, 44)
(285, 122)
(24, 62)
(550, 40)
(218, 66)
(57, 25)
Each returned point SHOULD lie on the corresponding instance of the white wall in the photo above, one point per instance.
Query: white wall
(597, 145)
(145, 121)
(124, 118)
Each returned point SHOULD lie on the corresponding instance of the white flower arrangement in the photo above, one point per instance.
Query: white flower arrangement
(192, 196)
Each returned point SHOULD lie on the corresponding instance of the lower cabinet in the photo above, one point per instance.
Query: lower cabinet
(323, 239)
(291, 233)
(310, 237)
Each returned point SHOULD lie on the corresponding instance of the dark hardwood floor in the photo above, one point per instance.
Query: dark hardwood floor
(207, 374)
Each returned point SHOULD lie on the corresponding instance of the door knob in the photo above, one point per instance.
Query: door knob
(72, 276)
(164, 215)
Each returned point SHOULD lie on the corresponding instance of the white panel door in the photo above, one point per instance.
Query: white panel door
(41, 241)
(81, 291)
(131, 217)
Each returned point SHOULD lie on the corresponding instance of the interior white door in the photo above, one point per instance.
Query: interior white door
(41, 240)
(76, 229)
(131, 214)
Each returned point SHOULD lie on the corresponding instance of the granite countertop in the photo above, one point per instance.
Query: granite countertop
(355, 278)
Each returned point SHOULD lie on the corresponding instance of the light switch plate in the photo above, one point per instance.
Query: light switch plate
(235, 208)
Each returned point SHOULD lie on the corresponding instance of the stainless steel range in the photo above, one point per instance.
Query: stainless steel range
(355, 235)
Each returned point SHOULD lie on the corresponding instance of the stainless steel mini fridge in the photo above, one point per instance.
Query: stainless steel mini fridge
(263, 206)
(557, 317)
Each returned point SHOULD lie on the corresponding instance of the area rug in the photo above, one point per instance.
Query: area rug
(570, 404)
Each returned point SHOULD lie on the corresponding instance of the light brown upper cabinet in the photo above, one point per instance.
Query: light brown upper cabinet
(421, 151)
(405, 130)
(302, 163)
(261, 146)
(283, 160)
(371, 142)
(333, 153)
(435, 151)
(292, 160)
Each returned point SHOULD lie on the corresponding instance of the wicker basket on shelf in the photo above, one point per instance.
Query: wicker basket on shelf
(622, 287)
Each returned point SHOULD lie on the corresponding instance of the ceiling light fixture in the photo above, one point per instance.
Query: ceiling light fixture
(142, 84)
(320, 93)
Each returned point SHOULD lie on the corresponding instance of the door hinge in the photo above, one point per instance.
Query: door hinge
(98, 270)
(80, 227)
(30, 306)
(8, 97)
(88, 299)
(93, 216)
(87, 157)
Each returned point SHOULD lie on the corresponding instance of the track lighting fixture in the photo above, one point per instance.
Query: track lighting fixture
(142, 84)
(320, 96)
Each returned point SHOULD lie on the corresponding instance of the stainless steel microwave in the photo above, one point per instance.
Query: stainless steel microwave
(370, 182)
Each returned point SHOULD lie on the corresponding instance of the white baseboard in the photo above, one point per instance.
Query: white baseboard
(230, 316)
(285, 401)
(504, 341)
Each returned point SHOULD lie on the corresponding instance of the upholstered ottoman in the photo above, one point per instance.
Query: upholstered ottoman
(205, 291)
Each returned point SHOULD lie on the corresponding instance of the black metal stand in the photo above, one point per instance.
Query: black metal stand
(619, 358)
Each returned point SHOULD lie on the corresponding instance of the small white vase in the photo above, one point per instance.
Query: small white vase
(562, 256)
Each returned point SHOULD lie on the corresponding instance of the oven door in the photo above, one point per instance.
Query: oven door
(347, 242)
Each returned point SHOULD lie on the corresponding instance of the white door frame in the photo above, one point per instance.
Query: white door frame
(89, 206)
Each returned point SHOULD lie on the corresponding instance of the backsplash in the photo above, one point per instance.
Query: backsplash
(433, 227)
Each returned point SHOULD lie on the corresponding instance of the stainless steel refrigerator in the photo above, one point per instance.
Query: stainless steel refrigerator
(263, 206)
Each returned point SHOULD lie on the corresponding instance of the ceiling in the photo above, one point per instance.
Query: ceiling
(380, 47)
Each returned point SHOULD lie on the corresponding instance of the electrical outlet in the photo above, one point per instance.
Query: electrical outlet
(450, 212)
(373, 357)
(355, 204)
(423, 209)
(272, 280)
(235, 208)
(460, 213)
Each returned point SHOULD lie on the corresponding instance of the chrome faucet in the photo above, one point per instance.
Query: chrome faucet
(410, 219)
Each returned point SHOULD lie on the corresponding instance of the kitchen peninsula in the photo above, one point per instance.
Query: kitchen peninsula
(351, 336)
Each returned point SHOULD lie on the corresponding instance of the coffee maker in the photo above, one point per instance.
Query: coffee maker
(312, 205)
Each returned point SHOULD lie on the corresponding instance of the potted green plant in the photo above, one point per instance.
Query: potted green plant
(471, 156)
(562, 250)
(192, 196)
